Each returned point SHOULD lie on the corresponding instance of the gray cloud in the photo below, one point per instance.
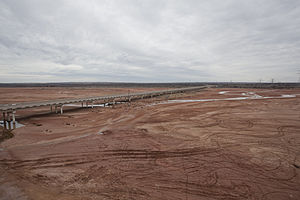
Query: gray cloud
(148, 41)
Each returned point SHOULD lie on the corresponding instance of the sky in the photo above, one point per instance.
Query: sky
(149, 40)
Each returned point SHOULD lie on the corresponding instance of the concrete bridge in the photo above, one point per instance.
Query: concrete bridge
(9, 110)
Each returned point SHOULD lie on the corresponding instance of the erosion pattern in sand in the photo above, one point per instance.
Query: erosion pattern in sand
(231, 149)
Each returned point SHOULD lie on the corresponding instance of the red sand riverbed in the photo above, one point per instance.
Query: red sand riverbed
(246, 149)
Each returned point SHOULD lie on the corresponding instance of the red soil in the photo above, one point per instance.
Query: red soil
(247, 149)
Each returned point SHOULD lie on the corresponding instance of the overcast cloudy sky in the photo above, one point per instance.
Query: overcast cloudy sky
(149, 40)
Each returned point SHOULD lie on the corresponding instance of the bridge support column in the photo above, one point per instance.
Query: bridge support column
(61, 109)
(92, 104)
(82, 104)
(55, 108)
(4, 120)
(51, 109)
(14, 119)
(9, 121)
(129, 101)
(113, 103)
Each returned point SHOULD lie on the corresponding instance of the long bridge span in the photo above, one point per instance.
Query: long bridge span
(9, 110)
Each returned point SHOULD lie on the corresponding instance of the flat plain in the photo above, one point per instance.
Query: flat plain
(218, 143)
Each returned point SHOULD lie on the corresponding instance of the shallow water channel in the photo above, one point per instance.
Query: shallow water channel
(17, 124)
(244, 96)
(248, 95)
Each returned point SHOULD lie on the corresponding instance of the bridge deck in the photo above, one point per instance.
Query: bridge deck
(13, 107)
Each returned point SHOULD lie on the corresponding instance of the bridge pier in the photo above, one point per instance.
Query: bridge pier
(113, 103)
(4, 120)
(129, 101)
(55, 108)
(81, 104)
(9, 121)
(14, 119)
(61, 109)
(51, 109)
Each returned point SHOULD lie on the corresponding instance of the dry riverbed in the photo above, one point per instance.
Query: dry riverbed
(221, 144)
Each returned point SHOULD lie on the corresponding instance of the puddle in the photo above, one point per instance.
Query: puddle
(288, 95)
(18, 125)
(205, 100)
(256, 96)
(223, 92)
(252, 95)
